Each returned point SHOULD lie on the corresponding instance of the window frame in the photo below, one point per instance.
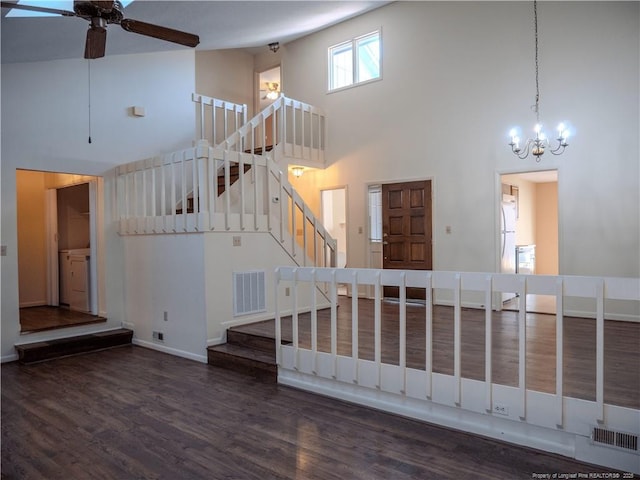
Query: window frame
(355, 73)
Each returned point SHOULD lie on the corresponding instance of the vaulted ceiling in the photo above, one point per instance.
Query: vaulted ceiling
(220, 25)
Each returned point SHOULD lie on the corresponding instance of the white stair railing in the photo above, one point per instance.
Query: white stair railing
(295, 129)
(234, 185)
(217, 119)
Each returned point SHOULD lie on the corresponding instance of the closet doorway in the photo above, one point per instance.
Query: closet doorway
(57, 249)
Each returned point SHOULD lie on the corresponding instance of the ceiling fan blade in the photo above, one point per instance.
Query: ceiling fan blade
(31, 8)
(96, 43)
(162, 33)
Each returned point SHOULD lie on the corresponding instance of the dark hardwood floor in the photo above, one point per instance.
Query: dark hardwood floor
(134, 413)
(47, 317)
(621, 341)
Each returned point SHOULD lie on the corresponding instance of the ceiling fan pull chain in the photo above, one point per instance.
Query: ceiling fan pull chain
(89, 90)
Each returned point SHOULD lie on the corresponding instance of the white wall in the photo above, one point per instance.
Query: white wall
(456, 77)
(165, 273)
(225, 74)
(45, 127)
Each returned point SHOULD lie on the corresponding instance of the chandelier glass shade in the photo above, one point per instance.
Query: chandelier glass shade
(537, 145)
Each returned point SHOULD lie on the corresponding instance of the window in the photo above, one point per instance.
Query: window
(375, 213)
(356, 61)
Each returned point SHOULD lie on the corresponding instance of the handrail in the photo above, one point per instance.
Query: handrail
(179, 192)
(296, 128)
(595, 289)
(222, 116)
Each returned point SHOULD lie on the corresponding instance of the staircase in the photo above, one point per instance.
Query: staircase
(234, 180)
(247, 352)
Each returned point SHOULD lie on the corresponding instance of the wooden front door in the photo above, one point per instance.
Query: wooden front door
(406, 230)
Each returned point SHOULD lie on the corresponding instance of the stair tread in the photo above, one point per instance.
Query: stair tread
(70, 340)
(245, 352)
(61, 347)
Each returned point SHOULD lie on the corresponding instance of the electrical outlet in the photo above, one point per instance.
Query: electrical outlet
(501, 409)
(237, 240)
(3, 251)
(161, 336)
(166, 316)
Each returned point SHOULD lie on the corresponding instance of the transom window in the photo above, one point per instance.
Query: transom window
(355, 61)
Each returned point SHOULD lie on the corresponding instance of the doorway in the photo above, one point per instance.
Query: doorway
(334, 218)
(268, 88)
(407, 231)
(536, 248)
(57, 249)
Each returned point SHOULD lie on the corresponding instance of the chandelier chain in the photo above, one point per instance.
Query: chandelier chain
(538, 144)
(535, 27)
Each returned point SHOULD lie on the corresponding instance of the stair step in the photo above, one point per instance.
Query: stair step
(251, 340)
(63, 347)
(243, 359)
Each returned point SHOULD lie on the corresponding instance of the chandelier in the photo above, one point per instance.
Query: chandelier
(537, 146)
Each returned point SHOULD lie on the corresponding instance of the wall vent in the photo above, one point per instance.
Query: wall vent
(604, 436)
(249, 292)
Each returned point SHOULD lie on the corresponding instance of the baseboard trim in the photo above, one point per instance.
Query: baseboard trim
(169, 350)
(9, 358)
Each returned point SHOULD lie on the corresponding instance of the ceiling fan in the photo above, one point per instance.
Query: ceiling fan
(101, 13)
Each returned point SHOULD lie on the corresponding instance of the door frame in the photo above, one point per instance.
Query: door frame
(496, 209)
(53, 267)
(346, 213)
(367, 243)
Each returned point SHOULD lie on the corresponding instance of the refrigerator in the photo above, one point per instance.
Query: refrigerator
(508, 239)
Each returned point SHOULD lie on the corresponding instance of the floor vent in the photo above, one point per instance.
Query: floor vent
(626, 441)
(249, 292)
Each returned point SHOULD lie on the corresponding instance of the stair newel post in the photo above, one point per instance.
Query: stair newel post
(283, 124)
(183, 190)
(226, 130)
(269, 194)
(203, 190)
(274, 131)
(315, 241)
(254, 177)
(172, 199)
(197, 99)
(314, 322)
(195, 166)
(278, 318)
(294, 318)
(281, 201)
(292, 202)
(212, 190)
(243, 194)
(227, 185)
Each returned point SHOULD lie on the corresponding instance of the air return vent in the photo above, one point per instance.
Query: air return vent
(626, 441)
(249, 292)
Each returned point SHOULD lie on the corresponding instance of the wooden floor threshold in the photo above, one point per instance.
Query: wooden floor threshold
(63, 347)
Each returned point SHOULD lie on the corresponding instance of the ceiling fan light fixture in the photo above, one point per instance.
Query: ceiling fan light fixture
(273, 90)
(274, 46)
